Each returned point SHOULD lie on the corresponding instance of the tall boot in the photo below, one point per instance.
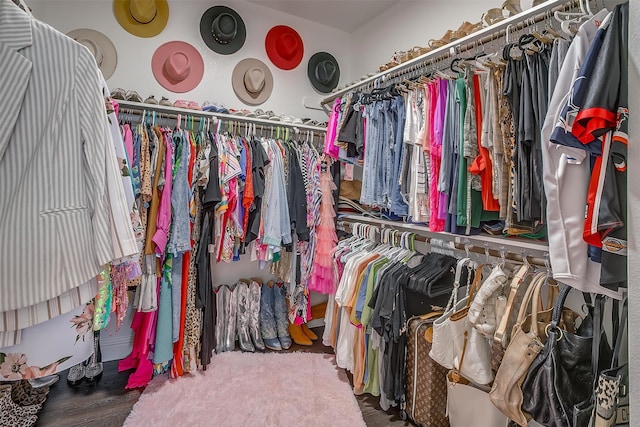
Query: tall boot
(281, 315)
(268, 327)
(221, 317)
(230, 326)
(243, 317)
(254, 315)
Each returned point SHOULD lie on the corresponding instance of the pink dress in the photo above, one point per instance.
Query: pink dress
(322, 278)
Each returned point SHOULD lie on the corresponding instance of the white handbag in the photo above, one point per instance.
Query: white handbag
(469, 344)
(442, 347)
(482, 311)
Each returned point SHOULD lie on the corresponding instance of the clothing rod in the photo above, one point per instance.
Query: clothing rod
(140, 106)
(468, 246)
(514, 244)
(517, 22)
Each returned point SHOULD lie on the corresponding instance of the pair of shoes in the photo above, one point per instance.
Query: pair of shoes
(302, 335)
(165, 101)
(189, 105)
(118, 93)
(274, 322)
(133, 96)
(151, 100)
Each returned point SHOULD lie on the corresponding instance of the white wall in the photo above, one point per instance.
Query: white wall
(134, 53)
(407, 24)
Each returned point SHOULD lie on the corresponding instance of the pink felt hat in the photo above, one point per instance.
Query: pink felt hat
(284, 47)
(177, 66)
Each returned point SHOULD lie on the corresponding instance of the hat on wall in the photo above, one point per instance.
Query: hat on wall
(252, 81)
(223, 30)
(142, 18)
(284, 47)
(323, 71)
(177, 66)
(100, 47)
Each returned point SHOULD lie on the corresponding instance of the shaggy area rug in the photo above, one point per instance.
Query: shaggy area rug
(252, 389)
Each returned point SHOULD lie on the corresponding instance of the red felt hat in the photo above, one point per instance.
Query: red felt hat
(284, 47)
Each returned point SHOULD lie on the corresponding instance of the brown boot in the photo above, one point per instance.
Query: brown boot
(298, 336)
(317, 311)
(308, 332)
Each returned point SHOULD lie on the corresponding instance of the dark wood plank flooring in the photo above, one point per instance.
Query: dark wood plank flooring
(107, 403)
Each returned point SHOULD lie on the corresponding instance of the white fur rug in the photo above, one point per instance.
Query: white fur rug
(252, 389)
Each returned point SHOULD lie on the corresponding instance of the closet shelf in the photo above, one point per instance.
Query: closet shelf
(522, 20)
(140, 106)
(512, 245)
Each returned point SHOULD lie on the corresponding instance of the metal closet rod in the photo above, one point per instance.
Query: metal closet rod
(513, 250)
(486, 35)
(173, 112)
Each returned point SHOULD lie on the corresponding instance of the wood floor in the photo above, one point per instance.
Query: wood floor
(107, 403)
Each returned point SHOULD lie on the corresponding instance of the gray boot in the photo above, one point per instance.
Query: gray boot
(231, 311)
(268, 328)
(254, 315)
(222, 295)
(281, 313)
(243, 316)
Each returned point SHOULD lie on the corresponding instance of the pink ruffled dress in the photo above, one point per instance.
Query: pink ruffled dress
(322, 278)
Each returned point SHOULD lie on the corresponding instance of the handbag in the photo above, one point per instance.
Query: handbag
(561, 375)
(442, 347)
(612, 384)
(470, 344)
(506, 393)
(469, 405)
(483, 311)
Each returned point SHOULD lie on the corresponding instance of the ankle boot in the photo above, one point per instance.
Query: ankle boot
(254, 315)
(298, 336)
(221, 298)
(230, 325)
(308, 332)
(268, 327)
(243, 317)
(281, 314)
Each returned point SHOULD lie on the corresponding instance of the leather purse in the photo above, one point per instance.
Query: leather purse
(525, 345)
(561, 375)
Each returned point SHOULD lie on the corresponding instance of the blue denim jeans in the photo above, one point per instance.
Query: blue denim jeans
(398, 205)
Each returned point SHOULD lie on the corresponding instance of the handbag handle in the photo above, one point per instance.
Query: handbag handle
(475, 285)
(499, 335)
(532, 297)
(453, 300)
(621, 330)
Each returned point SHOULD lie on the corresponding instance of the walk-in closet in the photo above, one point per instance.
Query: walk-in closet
(319, 212)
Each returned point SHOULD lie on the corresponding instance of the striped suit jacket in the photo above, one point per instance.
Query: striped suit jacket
(54, 148)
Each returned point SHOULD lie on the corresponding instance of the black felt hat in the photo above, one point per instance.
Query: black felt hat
(323, 71)
(223, 30)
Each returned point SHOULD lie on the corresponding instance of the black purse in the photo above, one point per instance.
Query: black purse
(561, 376)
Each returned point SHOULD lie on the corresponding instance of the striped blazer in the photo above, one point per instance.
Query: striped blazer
(54, 155)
